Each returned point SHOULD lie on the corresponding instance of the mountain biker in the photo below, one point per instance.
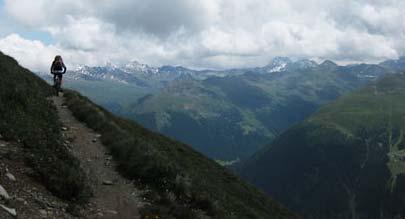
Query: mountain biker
(58, 68)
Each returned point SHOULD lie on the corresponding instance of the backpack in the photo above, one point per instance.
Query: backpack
(58, 66)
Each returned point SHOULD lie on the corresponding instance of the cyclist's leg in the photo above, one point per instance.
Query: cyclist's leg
(54, 79)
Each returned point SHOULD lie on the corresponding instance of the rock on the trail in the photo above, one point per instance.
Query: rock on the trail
(11, 177)
(111, 212)
(108, 182)
(20, 200)
(94, 140)
(3, 193)
(11, 211)
(107, 162)
(43, 213)
(64, 128)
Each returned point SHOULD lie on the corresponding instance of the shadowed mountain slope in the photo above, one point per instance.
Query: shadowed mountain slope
(345, 161)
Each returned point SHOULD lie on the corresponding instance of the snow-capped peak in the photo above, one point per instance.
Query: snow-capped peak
(110, 66)
(135, 66)
(278, 64)
(80, 68)
(278, 68)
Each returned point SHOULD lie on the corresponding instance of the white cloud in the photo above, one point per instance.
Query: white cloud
(209, 33)
(33, 54)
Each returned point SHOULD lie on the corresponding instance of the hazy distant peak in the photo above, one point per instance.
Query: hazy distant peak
(170, 68)
(111, 66)
(280, 64)
(328, 63)
(279, 60)
(305, 63)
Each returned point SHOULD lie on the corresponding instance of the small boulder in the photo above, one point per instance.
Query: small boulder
(11, 177)
(64, 128)
(108, 182)
(107, 163)
(94, 140)
(20, 200)
(43, 213)
(11, 211)
(111, 212)
(3, 193)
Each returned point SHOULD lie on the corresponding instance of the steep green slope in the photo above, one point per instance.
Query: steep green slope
(345, 161)
(182, 183)
(232, 117)
(26, 116)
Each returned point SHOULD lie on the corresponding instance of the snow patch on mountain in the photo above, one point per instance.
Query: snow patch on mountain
(136, 67)
(278, 64)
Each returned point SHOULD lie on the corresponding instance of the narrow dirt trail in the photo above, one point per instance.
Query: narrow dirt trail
(114, 196)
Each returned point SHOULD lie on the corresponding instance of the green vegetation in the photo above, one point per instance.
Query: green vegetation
(183, 183)
(345, 161)
(26, 116)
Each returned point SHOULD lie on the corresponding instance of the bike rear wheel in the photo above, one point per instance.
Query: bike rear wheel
(57, 84)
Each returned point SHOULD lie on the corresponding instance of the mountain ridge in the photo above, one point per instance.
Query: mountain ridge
(248, 110)
(344, 161)
(277, 64)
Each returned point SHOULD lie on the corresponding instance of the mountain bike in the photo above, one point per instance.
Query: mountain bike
(57, 82)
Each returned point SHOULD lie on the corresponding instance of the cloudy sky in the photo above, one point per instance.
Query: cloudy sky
(200, 33)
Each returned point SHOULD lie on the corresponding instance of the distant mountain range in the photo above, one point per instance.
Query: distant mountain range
(345, 161)
(227, 114)
(139, 74)
(142, 75)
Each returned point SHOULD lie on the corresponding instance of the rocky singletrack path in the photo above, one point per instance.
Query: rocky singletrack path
(114, 196)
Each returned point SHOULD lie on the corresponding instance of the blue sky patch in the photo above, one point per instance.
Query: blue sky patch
(9, 26)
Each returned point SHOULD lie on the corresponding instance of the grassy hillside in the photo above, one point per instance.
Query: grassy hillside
(183, 183)
(26, 116)
(345, 161)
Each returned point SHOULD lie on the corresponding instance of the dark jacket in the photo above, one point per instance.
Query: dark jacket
(58, 68)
